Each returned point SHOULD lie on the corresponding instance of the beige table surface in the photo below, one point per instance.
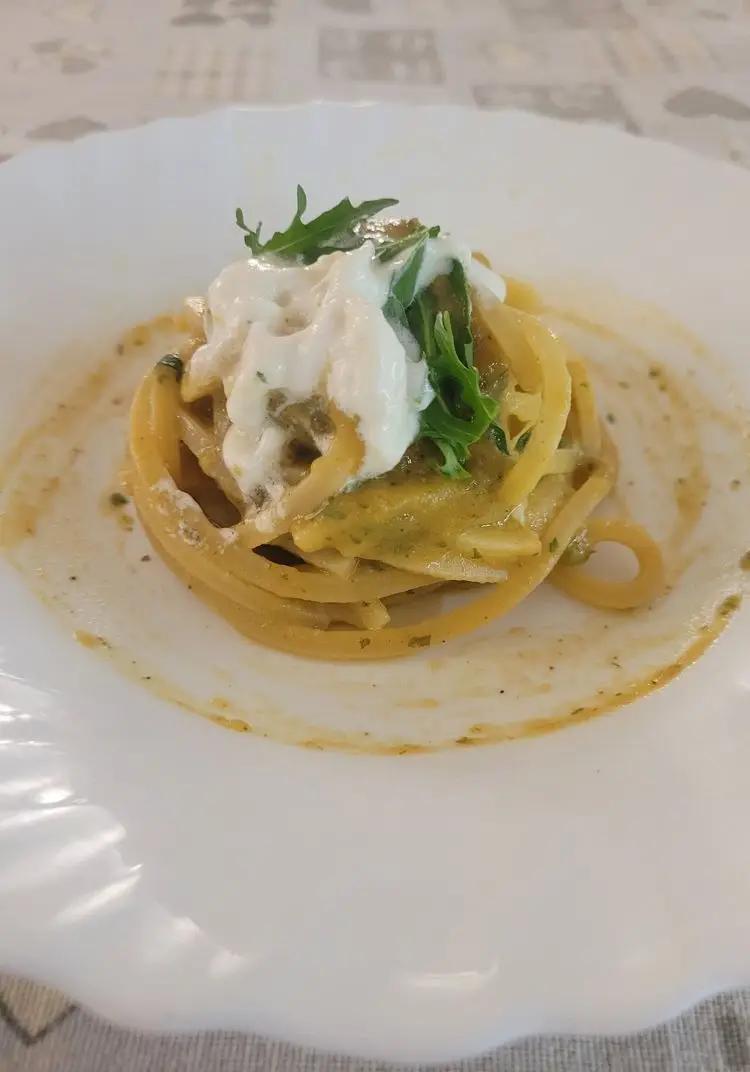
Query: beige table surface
(673, 69)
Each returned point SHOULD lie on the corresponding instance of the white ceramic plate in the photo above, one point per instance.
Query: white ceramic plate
(172, 875)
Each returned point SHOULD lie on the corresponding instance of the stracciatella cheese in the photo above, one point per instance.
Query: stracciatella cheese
(279, 334)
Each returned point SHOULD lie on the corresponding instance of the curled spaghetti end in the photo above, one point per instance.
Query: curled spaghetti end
(646, 586)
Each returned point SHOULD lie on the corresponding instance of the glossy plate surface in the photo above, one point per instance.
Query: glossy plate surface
(176, 876)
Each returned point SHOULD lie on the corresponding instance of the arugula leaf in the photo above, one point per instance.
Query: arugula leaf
(403, 287)
(462, 312)
(499, 438)
(252, 238)
(522, 441)
(331, 230)
(460, 413)
(452, 466)
(390, 248)
(421, 318)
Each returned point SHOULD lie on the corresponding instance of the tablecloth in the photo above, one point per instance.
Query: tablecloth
(673, 69)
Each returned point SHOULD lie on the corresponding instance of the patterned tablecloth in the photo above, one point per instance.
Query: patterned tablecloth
(674, 69)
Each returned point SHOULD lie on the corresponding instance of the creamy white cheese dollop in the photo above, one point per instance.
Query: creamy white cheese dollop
(315, 330)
